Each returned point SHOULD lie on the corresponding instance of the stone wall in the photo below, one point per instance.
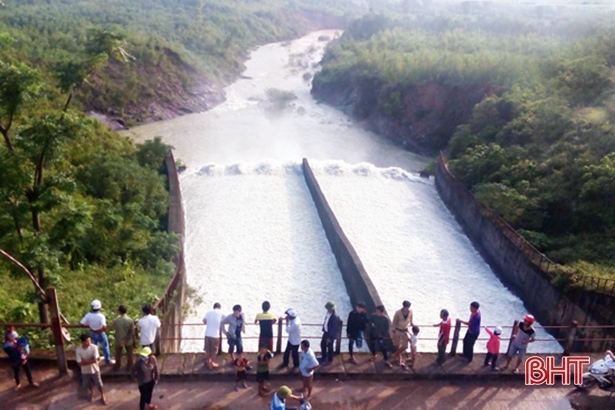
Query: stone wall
(170, 306)
(358, 283)
(523, 277)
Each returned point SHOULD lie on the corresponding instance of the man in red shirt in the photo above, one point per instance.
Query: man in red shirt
(443, 335)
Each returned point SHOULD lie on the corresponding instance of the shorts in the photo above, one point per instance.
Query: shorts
(516, 351)
(400, 339)
(266, 340)
(211, 345)
(235, 343)
(307, 381)
(241, 375)
(88, 379)
(262, 376)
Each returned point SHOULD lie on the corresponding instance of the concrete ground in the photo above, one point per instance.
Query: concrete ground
(185, 393)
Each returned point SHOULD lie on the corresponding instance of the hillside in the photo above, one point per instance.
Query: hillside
(180, 53)
(522, 103)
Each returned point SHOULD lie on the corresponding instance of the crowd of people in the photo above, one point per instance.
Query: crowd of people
(382, 335)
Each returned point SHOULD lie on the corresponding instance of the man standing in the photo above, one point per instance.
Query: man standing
(124, 338)
(98, 324)
(473, 331)
(266, 320)
(379, 325)
(148, 326)
(293, 328)
(525, 335)
(357, 322)
(330, 329)
(402, 322)
(308, 365)
(236, 326)
(87, 358)
(213, 320)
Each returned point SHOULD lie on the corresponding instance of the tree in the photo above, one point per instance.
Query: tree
(18, 85)
(101, 45)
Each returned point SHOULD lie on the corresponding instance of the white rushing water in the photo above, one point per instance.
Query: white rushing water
(252, 230)
(258, 237)
(413, 249)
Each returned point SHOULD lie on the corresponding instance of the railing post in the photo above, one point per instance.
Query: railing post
(338, 343)
(56, 328)
(220, 343)
(455, 338)
(570, 339)
(278, 345)
(157, 344)
(513, 333)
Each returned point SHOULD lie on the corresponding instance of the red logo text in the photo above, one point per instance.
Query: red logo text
(540, 371)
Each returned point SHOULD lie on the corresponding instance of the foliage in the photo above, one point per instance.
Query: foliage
(83, 208)
(538, 146)
(147, 43)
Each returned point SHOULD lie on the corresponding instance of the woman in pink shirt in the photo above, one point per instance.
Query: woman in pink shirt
(493, 346)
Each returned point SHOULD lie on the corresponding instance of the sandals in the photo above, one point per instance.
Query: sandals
(516, 371)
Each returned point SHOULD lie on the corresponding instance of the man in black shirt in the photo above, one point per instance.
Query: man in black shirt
(357, 323)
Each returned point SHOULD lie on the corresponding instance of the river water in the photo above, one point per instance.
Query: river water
(253, 234)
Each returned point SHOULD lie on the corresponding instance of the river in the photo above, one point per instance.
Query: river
(252, 232)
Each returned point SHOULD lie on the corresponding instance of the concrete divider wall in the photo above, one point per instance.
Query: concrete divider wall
(170, 305)
(358, 283)
(546, 302)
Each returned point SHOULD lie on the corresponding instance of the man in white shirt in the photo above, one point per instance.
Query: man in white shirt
(307, 367)
(293, 328)
(148, 327)
(87, 357)
(212, 319)
(98, 324)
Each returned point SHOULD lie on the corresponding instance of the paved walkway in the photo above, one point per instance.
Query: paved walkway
(479, 390)
(192, 366)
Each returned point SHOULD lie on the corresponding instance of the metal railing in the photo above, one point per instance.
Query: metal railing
(572, 333)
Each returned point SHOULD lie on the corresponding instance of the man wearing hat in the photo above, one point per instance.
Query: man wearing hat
(330, 329)
(293, 328)
(98, 324)
(525, 335)
(279, 399)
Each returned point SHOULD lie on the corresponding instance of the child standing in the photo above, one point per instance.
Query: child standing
(493, 347)
(240, 371)
(262, 369)
(414, 339)
(443, 335)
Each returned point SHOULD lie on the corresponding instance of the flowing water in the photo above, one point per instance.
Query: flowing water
(253, 234)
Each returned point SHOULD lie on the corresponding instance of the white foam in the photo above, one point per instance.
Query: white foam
(253, 234)
(412, 248)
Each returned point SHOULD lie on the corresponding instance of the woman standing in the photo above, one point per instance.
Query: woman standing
(146, 372)
(18, 356)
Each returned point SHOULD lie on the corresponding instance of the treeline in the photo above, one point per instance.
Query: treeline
(538, 146)
(175, 46)
(83, 208)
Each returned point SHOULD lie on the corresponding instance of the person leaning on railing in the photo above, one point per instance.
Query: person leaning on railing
(378, 332)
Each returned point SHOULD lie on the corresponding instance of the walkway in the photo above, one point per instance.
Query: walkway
(191, 366)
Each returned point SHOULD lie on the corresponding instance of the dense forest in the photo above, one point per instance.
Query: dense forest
(83, 208)
(522, 104)
(179, 53)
